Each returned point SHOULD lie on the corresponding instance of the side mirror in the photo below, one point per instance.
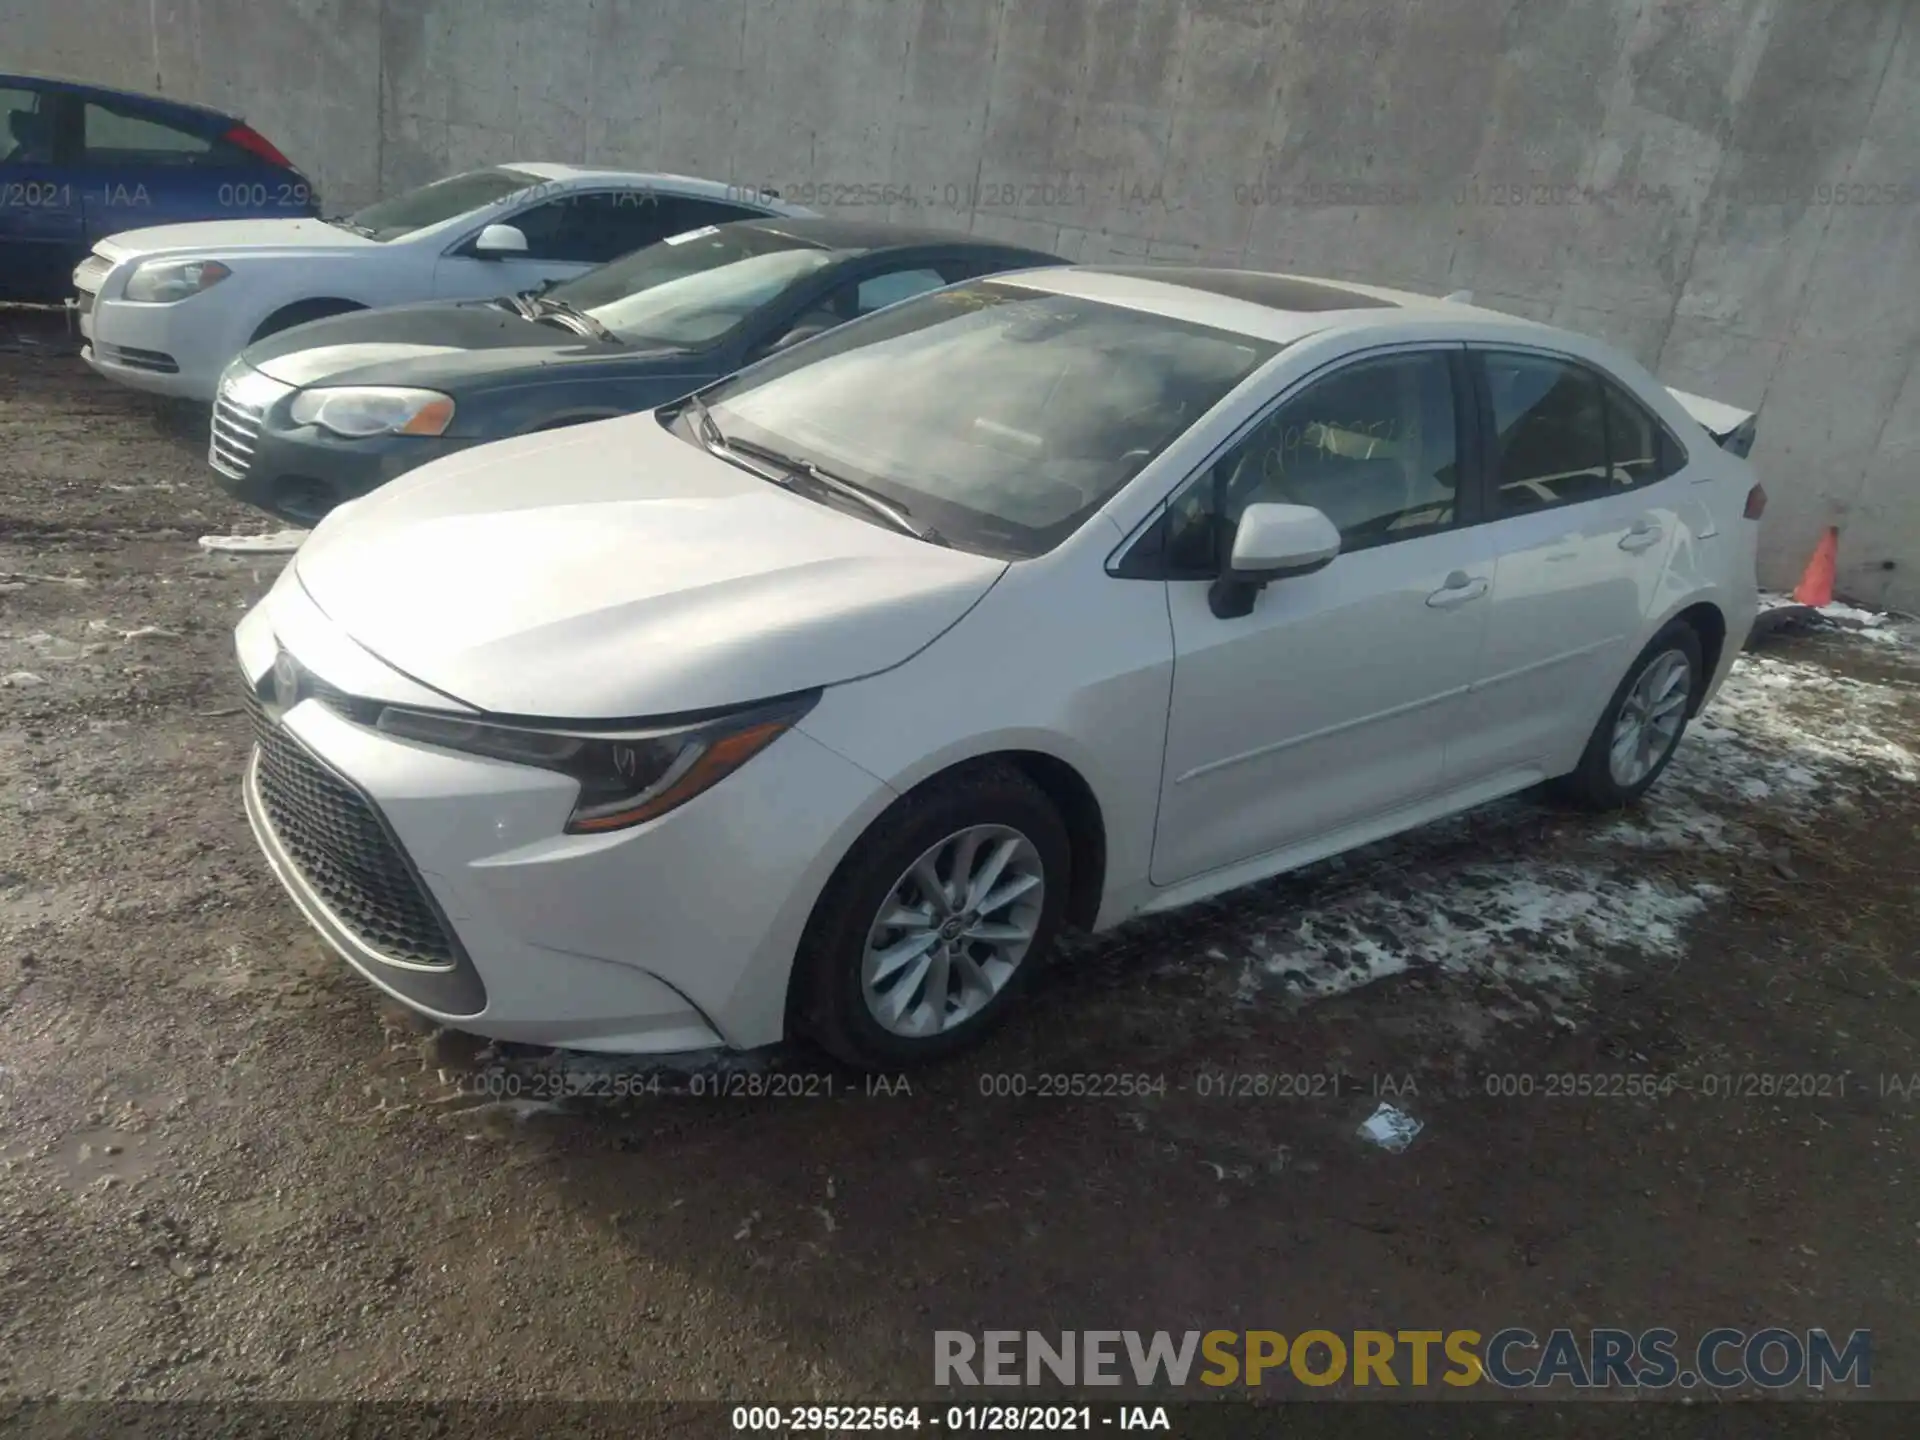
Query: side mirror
(1272, 542)
(496, 242)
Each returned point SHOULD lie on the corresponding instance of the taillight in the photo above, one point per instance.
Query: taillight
(254, 143)
(1756, 502)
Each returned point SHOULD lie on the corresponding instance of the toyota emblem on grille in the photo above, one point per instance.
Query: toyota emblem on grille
(286, 682)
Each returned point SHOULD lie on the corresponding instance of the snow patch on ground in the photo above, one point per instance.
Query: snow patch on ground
(1536, 927)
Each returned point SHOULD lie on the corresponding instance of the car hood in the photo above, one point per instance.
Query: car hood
(613, 571)
(225, 235)
(431, 344)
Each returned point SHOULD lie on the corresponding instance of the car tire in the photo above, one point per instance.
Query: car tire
(1605, 780)
(843, 989)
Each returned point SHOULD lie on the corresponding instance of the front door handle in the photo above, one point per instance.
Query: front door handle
(1642, 536)
(1460, 588)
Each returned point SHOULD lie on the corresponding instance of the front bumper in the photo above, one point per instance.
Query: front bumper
(161, 349)
(299, 472)
(674, 936)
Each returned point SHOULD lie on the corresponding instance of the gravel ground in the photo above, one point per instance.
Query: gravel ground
(228, 1171)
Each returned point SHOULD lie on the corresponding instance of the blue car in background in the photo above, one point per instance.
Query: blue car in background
(79, 163)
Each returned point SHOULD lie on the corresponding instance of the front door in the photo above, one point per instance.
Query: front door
(41, 235)
(1333, 701)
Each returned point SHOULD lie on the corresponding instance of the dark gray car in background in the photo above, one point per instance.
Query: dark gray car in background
(325, 412)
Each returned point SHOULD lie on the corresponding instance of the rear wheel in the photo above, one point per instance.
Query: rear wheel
(1641, 726)
(935, 922)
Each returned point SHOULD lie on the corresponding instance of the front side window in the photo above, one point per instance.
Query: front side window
(697, 288)
(876, 292)
(594, 229)
(999, 416)
(26, 128)
(440, 201)
(1374, 447)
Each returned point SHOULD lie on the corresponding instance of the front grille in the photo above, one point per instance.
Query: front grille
(232, 435)
(157, 361)
(239, 410)
(342, 848)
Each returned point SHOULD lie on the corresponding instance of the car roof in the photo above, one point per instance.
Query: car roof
(1267, 305)
(84, 89)
(866, 236)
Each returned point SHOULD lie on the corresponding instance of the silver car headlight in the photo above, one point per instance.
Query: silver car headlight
(626, 777)
(162, 282)
(359, 410)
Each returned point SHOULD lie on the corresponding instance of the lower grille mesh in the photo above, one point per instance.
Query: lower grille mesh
(344, 852)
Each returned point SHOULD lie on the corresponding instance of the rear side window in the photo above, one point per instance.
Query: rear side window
(1549, 433)
(125, 136)
(1641, 449)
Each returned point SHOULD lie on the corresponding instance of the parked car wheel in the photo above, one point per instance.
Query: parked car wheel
(936, 921)
(1642, 724)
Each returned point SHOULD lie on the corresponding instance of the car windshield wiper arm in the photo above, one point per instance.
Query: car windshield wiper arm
(547, 305)
(345, 224)
(869, 500)
(894, 514)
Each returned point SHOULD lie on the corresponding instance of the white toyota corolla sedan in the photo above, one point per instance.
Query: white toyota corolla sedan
(821, 702)
(165, 309)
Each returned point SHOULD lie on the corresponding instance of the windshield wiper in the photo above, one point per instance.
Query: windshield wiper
(547, 305)
(714, 438)
(870, 500)
(710, 433)
(346, 224)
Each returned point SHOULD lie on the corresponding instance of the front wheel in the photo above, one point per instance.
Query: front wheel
(935, 921)
(1641, 726)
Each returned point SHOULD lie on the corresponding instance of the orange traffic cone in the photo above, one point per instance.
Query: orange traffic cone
(1816, 584)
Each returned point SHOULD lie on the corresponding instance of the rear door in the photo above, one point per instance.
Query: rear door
(42, 236)
(1582, 511)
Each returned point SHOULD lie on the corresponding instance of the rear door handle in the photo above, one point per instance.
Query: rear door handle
(1460, 588)
(1643, 535)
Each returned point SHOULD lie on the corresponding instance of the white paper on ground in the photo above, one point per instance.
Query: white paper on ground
(280, 542)
(1390, 1129)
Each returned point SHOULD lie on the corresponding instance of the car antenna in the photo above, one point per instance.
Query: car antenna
(1459, 297)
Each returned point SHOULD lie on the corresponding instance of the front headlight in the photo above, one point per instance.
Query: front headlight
(164, 281)
(358, 410)
(626, 777)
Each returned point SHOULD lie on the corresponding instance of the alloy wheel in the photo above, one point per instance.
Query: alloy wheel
(952, 931)
(1650, 719)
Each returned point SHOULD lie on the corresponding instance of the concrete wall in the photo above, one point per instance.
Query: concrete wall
(1726, 187)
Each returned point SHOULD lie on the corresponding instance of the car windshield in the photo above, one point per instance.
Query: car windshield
(431, 204)
(694, 289)
(999, 416)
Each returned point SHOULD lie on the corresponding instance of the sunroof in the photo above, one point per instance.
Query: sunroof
(1276, 292)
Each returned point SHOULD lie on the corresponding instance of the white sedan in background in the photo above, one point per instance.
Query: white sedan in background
(819, 702)
(166, 309)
